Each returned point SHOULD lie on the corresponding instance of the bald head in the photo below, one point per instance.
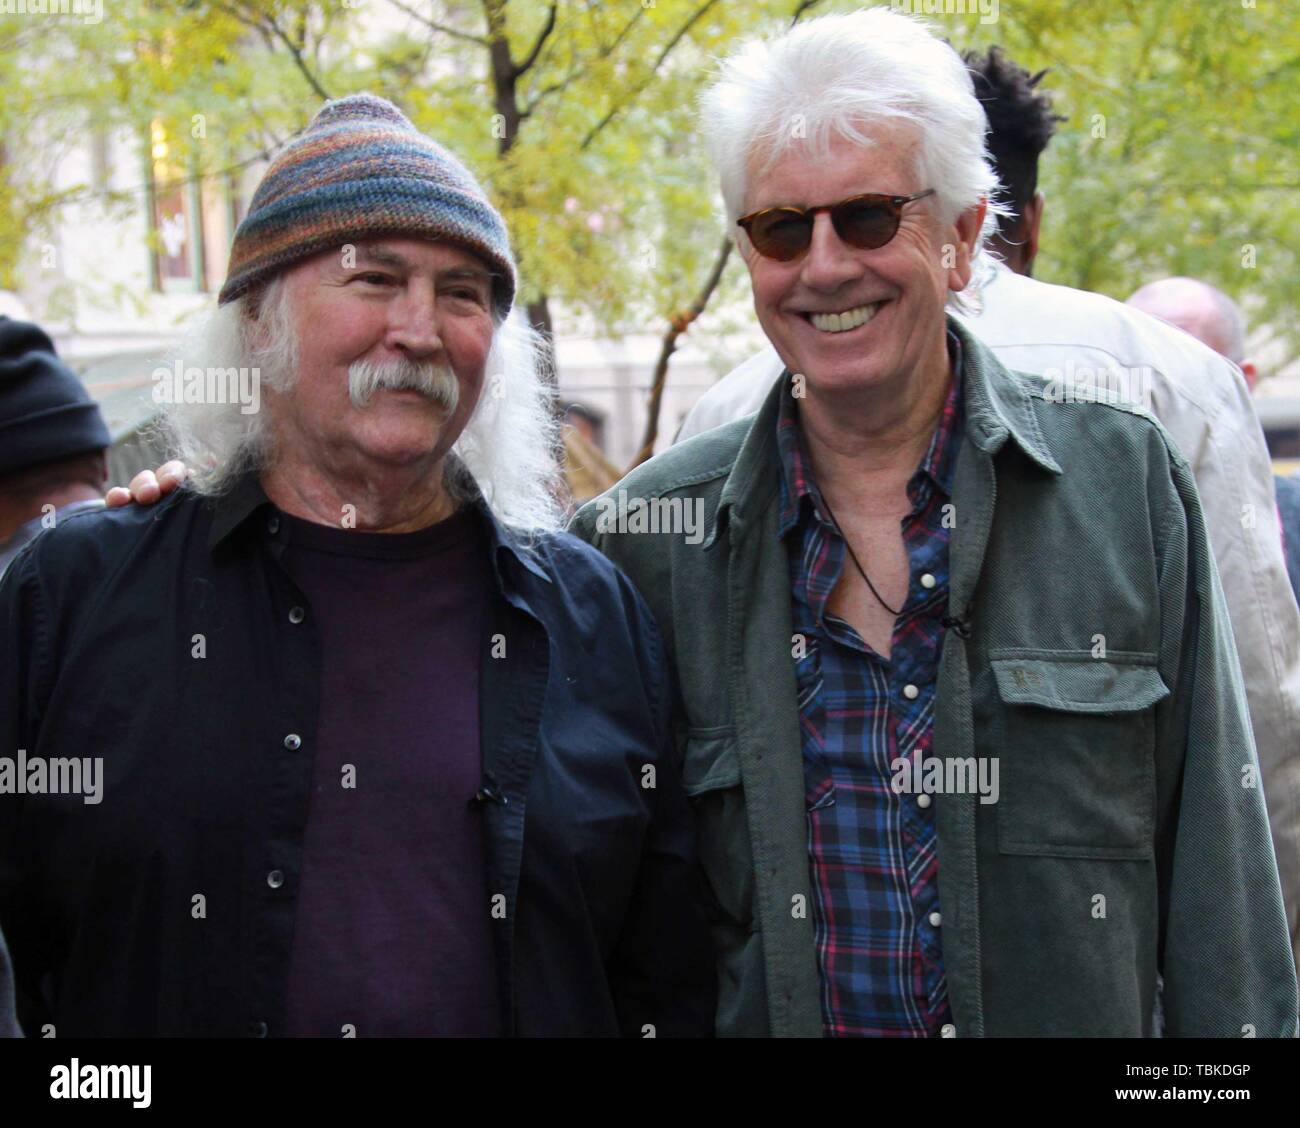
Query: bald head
(1207, 314)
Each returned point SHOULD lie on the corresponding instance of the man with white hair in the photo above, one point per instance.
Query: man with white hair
(363, 745)
(965, 730)
(1082, 341)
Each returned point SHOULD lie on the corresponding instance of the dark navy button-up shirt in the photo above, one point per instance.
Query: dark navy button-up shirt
(174, 645)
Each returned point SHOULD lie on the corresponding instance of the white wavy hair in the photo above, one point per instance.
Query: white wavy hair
(508, 447)
(841, 74)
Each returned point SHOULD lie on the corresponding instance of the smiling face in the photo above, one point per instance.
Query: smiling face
(402, 300)
(851, 319)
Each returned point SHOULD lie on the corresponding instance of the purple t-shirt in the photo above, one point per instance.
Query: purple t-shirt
(392, 929)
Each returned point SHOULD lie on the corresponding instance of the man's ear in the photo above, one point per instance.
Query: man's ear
(967, 228)
(1029, 225)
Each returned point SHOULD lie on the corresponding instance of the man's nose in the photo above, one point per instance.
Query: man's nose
(413, 322)
(829, 262)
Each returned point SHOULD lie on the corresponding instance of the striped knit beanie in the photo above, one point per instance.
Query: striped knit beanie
(361, 169)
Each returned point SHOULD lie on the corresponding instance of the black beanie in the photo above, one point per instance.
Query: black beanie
(46, 414)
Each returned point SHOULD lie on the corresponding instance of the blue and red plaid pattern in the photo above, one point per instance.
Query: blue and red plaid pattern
(872, 854)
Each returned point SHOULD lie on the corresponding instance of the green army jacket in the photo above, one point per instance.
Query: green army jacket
(1093, 658)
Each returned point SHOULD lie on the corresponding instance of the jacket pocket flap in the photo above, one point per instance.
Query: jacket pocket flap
(712, 763)
(1080, 684)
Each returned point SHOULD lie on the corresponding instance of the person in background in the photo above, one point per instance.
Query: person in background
(1083, 341)
(1201, 311)
(53, 464)
(1213, 318)
(1288, 509)
(1021, 124)
(53, 440)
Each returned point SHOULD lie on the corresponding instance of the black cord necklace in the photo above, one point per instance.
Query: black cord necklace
(856, 562)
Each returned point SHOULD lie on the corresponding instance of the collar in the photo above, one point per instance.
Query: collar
(235, 509)
(996, 408)
(998, 404)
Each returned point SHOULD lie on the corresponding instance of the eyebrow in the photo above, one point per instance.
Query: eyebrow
(381, 256)
(466, 273)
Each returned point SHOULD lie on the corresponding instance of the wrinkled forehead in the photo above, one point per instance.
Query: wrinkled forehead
(819, 164)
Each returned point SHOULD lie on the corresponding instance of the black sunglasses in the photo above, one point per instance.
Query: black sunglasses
(867, 222)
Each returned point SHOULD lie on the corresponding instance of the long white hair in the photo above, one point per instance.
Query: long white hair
(842, 74)
(508, 447)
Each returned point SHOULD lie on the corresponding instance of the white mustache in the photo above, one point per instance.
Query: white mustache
(436, 381)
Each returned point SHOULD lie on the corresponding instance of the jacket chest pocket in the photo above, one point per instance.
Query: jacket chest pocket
(1076, 750)
(711, 779)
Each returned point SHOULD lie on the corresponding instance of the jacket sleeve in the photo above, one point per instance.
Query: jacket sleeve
(8, 1017)
(661, 975)
(24, 653)
(1225, 948)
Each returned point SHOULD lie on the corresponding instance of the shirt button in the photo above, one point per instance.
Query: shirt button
(922, 800)
(947, 1030)
(275, 879)
(297, 614)
(273, 526)
(257, 1029)
(936, 919)
(911, 692)
(927, 580)
(293, 742)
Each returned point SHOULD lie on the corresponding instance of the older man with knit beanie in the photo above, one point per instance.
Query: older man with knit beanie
(371, 749)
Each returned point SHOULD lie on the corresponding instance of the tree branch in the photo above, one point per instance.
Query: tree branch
(295, 52)
(434, 25)
(678, 36)
(627, 27)
(677, 325)
(267, 26)
(579, 73)
(804, 5)
(531, 57)
(547, 91)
